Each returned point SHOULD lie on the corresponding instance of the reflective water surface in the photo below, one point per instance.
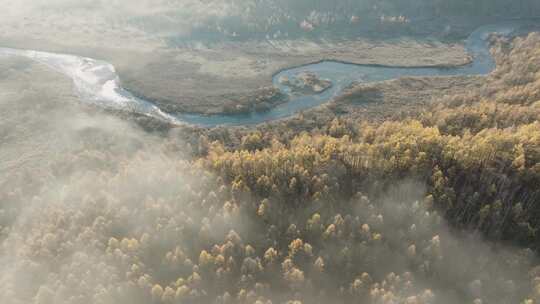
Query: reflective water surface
(97, 81)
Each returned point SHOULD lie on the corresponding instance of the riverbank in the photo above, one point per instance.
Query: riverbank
(98, 81)
(211, 81)
(230, 78)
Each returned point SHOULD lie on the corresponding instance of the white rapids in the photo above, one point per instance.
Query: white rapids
(95, 81)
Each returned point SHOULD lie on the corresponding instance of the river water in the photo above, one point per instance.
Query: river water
(97, 81)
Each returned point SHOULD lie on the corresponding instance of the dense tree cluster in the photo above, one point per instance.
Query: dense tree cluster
(310, 14)
(478, 152)
(468, 175)
(116, 236)
(413, 8)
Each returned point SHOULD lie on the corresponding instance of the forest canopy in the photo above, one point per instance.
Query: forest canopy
(439, 207)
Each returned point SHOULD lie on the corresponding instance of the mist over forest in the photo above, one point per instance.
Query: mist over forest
(364, 199)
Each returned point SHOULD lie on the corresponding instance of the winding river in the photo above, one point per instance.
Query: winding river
(98, 82)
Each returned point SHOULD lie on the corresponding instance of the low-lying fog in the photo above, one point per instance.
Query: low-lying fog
(92, 209)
